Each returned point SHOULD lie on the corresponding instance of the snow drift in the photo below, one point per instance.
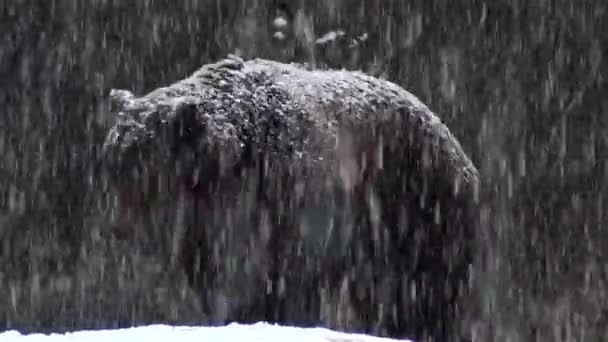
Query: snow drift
(260, 332)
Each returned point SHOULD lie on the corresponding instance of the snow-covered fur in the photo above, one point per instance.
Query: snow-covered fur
(302, 196)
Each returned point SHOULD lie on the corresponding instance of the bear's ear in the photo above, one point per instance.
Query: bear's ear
(119, 99)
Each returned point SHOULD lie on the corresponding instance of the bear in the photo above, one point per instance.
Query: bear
(301, 196)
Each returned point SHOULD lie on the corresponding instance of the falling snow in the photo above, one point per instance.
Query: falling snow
(521, 85)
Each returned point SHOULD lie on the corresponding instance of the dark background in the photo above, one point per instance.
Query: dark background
(520, 83)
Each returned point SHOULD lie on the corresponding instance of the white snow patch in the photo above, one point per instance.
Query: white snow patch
(279, 22)
(260, 332)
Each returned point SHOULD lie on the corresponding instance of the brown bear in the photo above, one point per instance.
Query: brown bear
(301, 196)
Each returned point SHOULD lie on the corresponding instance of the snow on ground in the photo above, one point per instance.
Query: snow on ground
(260, 332)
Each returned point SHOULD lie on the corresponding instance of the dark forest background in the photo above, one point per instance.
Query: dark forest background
(521, 84)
